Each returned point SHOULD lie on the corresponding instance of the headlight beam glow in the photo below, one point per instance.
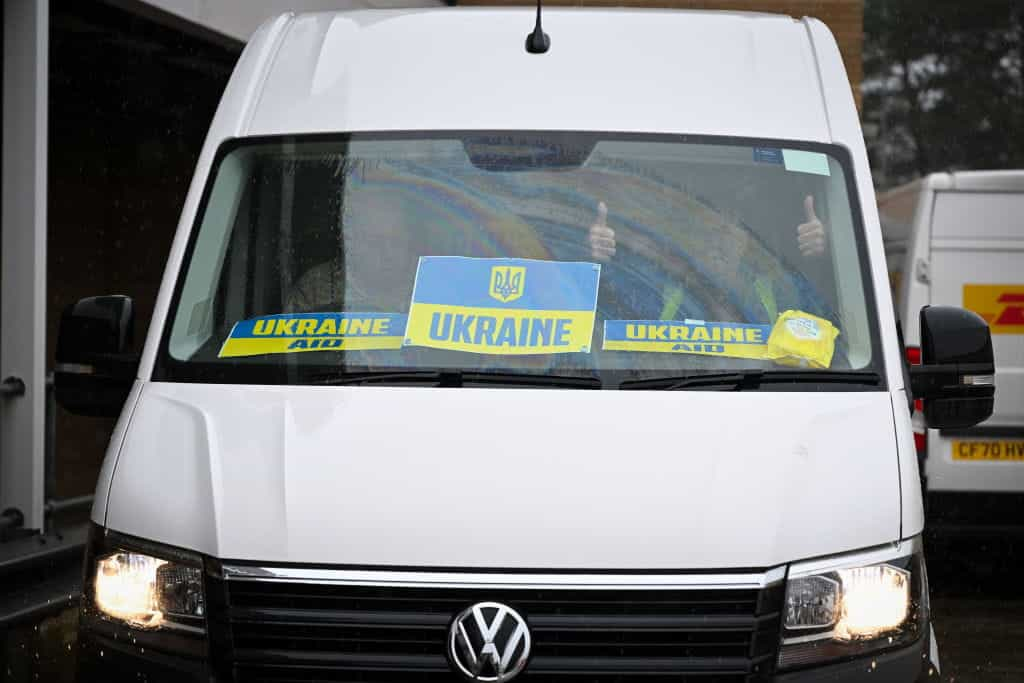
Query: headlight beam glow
(875, 600)
(125, 588)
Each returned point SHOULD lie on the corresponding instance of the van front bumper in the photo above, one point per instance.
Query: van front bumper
(297, 622)
(910, 664)
(108, 661)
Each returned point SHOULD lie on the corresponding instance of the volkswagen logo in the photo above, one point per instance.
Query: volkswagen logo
(489, 642)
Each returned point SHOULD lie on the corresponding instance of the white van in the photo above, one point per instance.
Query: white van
(957, 239)
(571, 360)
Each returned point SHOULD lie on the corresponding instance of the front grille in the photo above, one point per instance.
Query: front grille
(294, 631)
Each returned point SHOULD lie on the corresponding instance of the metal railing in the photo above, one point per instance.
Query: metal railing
(12, 519)
(55, 505)
(41, 569)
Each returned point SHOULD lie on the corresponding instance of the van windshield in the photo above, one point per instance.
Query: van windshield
(570, 255)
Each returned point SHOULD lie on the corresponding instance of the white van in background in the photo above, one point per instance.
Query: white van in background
(957, 239)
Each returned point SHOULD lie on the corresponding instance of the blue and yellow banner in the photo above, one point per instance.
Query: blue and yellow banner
(797, 338)
(735, 340)
(503, 305)
(297, 332)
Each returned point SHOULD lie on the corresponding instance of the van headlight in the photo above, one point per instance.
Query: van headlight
(853, 605)
(150, 594)
(147, 591)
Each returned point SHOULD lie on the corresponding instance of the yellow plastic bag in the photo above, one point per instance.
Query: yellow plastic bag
(802, 340)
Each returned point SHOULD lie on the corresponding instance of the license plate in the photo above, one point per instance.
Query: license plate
(989, 450)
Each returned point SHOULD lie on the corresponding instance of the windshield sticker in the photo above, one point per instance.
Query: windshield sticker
(734, 340)
(297, 332)
(503, 305)
(801, 161)
(796, 339)
(768, 155)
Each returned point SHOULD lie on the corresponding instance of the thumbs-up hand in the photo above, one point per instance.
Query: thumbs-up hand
(601, 237)
(810, 236)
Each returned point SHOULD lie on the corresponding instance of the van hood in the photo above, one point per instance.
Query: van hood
(507, 478)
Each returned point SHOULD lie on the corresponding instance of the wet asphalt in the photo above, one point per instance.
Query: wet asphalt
(977, 592)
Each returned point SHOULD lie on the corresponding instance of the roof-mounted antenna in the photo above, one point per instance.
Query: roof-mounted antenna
(537, 42)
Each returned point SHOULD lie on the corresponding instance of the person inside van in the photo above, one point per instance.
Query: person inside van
(325, 285)
(727, 263)
(366, 259)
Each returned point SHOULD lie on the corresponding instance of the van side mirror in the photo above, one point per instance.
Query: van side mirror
(956, 378)
(94, 370)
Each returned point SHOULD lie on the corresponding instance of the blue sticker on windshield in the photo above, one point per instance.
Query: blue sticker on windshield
(768, 155)
(503, 305)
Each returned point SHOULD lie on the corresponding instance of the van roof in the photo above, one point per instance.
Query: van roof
(959, 181)
(896, 207)
(666, 71)
(991, 181)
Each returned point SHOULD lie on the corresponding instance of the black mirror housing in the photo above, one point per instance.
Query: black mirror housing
(956, 378)
(94, 370)
(955, 335)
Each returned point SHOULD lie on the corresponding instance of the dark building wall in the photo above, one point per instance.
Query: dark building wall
(130, 102)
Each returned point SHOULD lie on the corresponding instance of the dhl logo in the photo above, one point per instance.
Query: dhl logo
(1002, 306)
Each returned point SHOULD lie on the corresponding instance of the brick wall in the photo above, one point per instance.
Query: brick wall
(844, 17)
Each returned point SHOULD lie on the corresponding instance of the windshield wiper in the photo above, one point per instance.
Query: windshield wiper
(429, 377)
(455, 379)
(752, 379)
